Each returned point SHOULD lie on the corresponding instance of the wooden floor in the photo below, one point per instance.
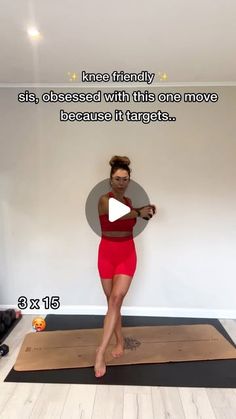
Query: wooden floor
(23, 400)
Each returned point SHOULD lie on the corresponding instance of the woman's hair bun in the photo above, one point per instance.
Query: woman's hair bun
(116, 160)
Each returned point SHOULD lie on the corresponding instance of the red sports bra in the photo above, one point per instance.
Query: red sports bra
(118, 225)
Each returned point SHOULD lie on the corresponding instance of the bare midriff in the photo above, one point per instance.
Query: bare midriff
(116, 233)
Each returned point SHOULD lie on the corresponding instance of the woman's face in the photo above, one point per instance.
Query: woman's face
(120, 179)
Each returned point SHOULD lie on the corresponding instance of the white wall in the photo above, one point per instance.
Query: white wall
(186, 255)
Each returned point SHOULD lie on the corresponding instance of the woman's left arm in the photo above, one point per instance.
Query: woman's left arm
(150, 205)
(138, 209)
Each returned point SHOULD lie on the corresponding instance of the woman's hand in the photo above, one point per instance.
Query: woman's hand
(153, 209)
(147, 211)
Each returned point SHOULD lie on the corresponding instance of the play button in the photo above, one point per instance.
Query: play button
(116, 209)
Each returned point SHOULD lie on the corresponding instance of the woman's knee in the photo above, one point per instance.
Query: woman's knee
(115, 300)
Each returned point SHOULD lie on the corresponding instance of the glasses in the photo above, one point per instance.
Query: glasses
(118, 179)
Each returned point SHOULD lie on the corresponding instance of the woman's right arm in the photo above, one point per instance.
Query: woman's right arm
(103, 207)
(134, 213)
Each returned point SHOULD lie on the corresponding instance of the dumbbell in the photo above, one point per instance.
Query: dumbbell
(4, 349)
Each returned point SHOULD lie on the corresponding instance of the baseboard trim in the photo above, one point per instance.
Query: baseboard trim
(135, 311)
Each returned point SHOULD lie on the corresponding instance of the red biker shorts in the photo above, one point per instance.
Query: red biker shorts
(116, 255)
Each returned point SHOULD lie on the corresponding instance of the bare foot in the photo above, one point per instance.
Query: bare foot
(100, 366)
(118, 350)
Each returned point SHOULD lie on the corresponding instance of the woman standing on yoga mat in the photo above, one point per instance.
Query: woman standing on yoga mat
(116, 257)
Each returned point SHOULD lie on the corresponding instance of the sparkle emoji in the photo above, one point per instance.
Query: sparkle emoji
(39, 324)
(72, 76)
(162, 76)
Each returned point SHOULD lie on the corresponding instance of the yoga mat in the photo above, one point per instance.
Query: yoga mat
(148, 344)
(212, 373)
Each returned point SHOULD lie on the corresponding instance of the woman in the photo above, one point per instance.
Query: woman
(116, 257)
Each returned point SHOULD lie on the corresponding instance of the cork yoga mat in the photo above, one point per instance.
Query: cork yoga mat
(146, 344)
